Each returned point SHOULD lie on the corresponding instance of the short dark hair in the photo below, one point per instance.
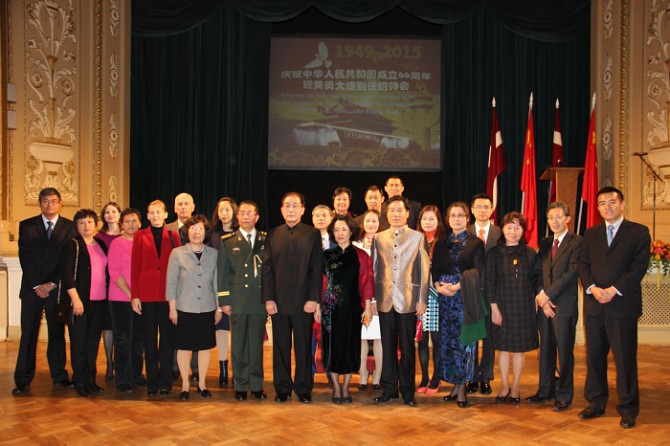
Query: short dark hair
(129, 211)
(105, 225)
(373, 188)
(47, 192)
(509, 218)
(458, 204)
(559, 205)
(300, 196)
(609, 190)
(481, 197)
(342, 190)
(394, 177)
(85, 213)
(199, 218)
(249, 203)
(398, 198)
(350, 223)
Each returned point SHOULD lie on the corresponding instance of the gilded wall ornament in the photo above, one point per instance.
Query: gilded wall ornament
(113, 193)
(607, 78)
(608, 15)
(113, 136)
(114, 75)
(606, 139)
(114, 18)
(51, 97)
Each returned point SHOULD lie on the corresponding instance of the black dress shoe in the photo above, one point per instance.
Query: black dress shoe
(195, 377)
(450, 398)
(346, 399)
(206, 393)
(485, 388)
(471, 387)
(463, 404)
(384, 398)
(410, 403)
(376, 387)
(259, 395)
(589, 413)
(560, 406)
(502, 399)
(124, 388)
(362, 387)
(66, 383)
(95, 389)
(241, 396)
(305, 398)
(21, 389)
(627, 422)
(537, 399)
(183, 396)
(164, 392)
(83, 392)
(515, 400)
(282, 398)
(152, 392)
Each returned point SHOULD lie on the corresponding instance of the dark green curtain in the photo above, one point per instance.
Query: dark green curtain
(199, 92)
(199, 112)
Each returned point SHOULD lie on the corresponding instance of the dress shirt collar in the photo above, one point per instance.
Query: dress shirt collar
(616, 224)
(46, 220)
(560, 237)
(245, 233)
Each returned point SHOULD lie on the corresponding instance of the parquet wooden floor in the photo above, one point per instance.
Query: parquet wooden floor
(57, 416)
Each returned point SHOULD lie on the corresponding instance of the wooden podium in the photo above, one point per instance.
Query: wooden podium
(566, 179)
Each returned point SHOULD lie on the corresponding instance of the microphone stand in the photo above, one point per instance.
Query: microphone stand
(641, 155)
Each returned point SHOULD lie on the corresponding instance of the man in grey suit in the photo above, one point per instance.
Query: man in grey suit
(239, 275)
(402, 272)
(482, 208)
(183, 207)
(557, 309)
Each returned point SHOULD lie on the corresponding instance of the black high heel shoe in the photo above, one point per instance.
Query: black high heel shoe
(503, 399)
(515, 400)
(463, 404)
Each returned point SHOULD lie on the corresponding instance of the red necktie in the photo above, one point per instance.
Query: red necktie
(481, 235)
(554, 249)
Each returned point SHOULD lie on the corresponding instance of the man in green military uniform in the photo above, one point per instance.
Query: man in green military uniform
(239, 277)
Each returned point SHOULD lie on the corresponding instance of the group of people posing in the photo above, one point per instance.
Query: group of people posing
(397, 273)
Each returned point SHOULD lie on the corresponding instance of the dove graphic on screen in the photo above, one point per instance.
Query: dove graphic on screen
(321, 58)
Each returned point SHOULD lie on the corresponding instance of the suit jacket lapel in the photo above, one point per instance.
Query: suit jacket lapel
(562, 247)
(619, 234)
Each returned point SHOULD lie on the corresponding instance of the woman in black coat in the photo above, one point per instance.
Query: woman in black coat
(88, 293)
(511, 284)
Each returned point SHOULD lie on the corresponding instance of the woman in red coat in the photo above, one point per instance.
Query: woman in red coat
(149, 261)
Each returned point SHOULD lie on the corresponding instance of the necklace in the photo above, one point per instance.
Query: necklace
(202, 248)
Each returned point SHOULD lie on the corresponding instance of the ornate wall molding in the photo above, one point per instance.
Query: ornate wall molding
(52, 99)
(97, 105)
(113, 75)
(624, 102)
(607, 78)
(607, 138)
(113, 137)
(608, 19)
(114, 17)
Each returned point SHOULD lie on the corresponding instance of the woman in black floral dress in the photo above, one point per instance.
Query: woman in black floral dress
(348, 288)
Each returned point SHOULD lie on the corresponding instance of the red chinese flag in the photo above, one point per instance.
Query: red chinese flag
(557, 151)
(496, 163)
(590, 183)
(528, 181)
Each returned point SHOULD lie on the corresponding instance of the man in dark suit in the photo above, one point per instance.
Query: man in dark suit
(291, 288)
(394, 187)
(614, 259)
(557, 309)
(374, 200)
(482, 208)
(239, 276)
(41, 239)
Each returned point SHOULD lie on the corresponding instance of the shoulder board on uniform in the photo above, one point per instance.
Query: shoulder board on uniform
(227, 236)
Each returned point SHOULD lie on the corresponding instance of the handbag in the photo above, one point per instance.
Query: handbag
(419, 329)
(62, 312)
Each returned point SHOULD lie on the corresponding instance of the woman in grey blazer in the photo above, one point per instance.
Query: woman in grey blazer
(191, 293)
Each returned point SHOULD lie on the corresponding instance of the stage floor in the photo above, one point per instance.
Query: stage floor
(50, 415)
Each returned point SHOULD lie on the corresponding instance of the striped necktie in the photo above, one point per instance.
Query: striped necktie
(50, 229)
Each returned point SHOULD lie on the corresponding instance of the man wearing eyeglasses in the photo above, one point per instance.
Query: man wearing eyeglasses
(40, 241)
(487, 232)
(291, 289)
